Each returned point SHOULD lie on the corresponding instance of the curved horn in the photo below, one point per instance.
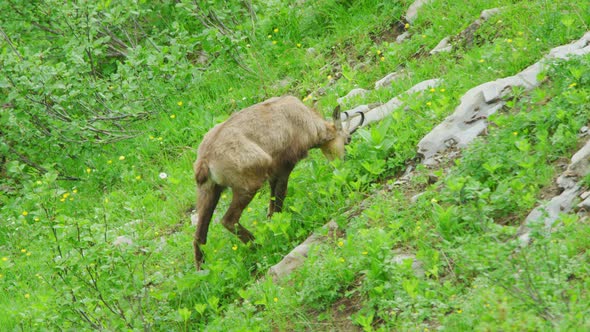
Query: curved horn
(336, 118)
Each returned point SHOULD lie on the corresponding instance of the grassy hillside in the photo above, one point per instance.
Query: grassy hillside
(104, 104)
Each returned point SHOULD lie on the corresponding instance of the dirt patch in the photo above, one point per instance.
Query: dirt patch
(390, 33)
(338, 316)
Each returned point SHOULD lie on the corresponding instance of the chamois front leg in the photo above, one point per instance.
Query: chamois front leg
(241, 198)
(208, 196)
(278, 189)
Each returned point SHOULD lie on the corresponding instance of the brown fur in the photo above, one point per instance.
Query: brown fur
(262, 142)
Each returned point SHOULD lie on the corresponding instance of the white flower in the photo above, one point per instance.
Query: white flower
(163, 175)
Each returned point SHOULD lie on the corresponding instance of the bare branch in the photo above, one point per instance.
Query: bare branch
(9, 42)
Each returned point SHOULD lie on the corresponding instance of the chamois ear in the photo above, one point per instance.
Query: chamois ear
(336, 118)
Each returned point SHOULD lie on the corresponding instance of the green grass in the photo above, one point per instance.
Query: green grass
(60, 268)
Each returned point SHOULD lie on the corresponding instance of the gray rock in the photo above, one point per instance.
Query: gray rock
(121, 240)
(580, 164)
(352, 94)
(412, 12)
(414, 198)
(386, 81)
(469, 119)
(585, 204)
(578, 167)
(402, 37)
(297, 256)
(443, 46)
(400, 257)
(381, 111)
(549, 212)
(466, 36)
(486, 14)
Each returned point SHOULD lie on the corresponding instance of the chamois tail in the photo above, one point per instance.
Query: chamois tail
(201, 172)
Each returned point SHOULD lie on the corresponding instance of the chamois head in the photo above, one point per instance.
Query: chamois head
(334, 148)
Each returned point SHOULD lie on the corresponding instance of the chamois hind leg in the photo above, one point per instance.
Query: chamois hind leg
(278, 189)
(207, 198)
(241, 198)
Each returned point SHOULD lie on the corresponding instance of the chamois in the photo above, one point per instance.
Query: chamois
(259, 143)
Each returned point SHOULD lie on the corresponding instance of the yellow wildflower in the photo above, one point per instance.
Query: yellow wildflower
(179, 103)
(121, 157)
(172, 116)
(276, 30)
(276, 299)
(234, 247)
(25, 213)
(407, 26)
